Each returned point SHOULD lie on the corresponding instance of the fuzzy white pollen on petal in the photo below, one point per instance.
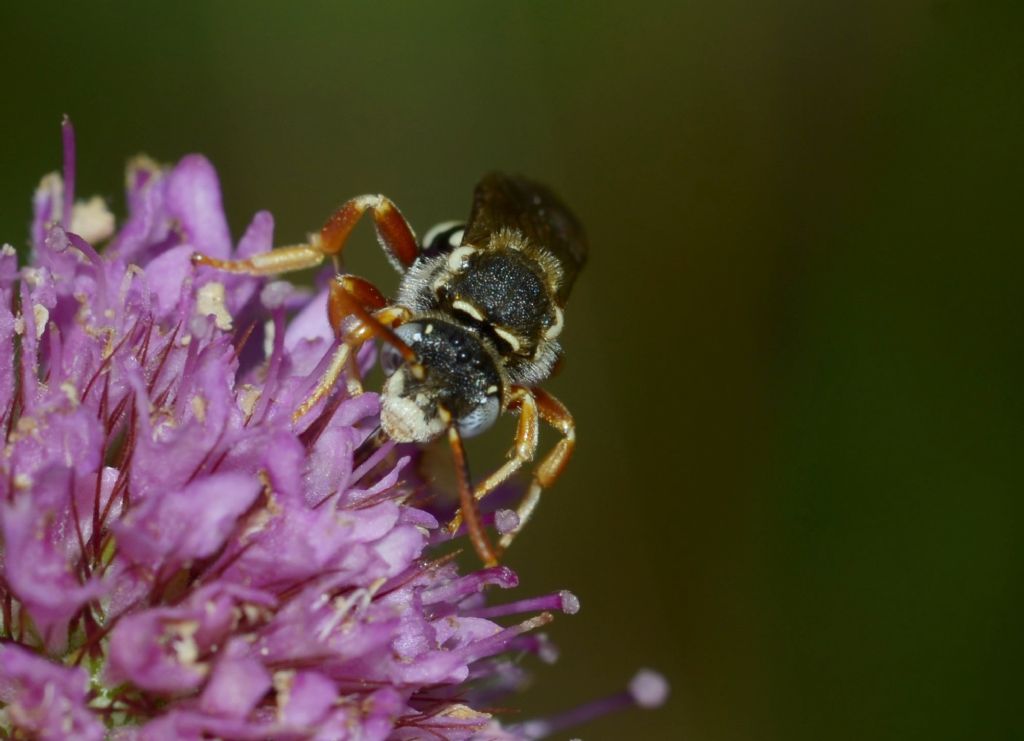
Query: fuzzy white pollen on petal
(71, 392)
(32, 276)
(268, 338)
(184, 643)
(52, 185)
(41, 315)
(461, 711)
(199, 408)
(248, 395)
(92, 220)
(283, 682)
(210, 302)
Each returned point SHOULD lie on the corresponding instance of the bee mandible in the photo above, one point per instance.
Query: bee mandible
(472, 334)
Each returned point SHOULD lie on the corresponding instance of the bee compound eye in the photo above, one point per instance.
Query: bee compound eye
(390, 359)
(481, 418)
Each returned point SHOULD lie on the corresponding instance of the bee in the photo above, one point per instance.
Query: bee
(473, 333)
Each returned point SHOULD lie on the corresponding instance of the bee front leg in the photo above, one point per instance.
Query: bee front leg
(467, 503)
(353, 297)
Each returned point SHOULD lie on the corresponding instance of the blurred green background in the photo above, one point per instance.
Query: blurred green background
(794, 357)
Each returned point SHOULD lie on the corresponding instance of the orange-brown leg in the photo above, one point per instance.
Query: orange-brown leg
(394, 232)
(523, 448)
(362, 291)
(555, 414)
(469, 511)
(366, 295)
(352, 296)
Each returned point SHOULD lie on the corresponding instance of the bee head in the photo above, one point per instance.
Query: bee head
(460, 381)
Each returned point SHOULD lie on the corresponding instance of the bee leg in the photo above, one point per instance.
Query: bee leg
(338, 310)
(393, 231)
(356, 297)
(352, 296)
(360, 290)
(477, 536)
(555, 414)
(339, 361)
(523, 449)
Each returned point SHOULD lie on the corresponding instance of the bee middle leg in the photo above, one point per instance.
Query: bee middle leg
(524, 447)
(532, 404)
(551, 467)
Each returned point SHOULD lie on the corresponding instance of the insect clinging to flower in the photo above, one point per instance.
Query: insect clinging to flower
(473, 332)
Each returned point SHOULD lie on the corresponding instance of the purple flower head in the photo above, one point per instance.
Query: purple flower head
(178, 559)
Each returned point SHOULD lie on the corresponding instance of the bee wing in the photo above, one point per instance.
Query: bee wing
(514, 202)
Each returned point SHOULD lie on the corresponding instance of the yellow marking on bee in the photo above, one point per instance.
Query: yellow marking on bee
(510, 338)
(492, 390)
(468, 308)
(428, 329)
(440, 283)
(556, 328)
(457, 260)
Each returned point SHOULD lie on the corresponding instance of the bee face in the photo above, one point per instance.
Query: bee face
(460, 381)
